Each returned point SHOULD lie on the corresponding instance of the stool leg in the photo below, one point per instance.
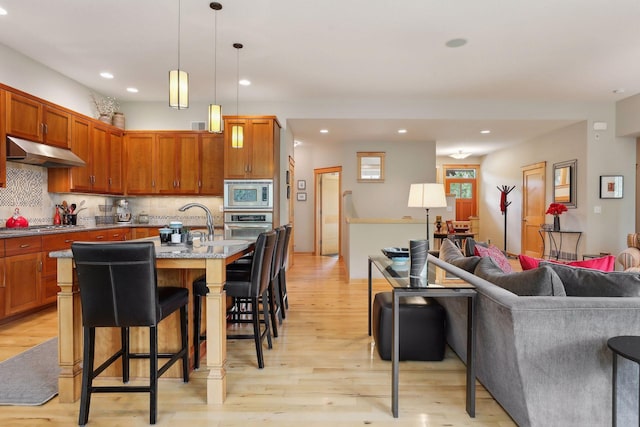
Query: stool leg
(87, 374)
(124, 339)
(197, 315)
(153, 374)
(614, 386)
(256, 332)
(184, 332)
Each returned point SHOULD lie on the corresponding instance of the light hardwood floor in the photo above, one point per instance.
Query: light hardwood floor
(322, 371)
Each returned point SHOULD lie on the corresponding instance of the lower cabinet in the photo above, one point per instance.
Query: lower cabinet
(22, 275)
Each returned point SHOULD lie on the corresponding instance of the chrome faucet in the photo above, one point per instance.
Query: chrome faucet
(209, 217)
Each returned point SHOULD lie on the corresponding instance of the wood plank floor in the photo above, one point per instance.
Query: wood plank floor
(323, 370)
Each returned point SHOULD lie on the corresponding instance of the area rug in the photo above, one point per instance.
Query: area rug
(31, 377)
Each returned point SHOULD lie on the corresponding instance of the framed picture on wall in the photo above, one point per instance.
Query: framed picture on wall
(302, 197)
(611, 186)
(302, 184)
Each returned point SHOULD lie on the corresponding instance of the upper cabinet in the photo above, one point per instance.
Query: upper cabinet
(211, 163)
(100, 146)
(256, 157)
(178, 163)
(36, 121)
(139, 162)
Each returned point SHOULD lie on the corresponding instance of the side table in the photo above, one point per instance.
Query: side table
(628, 347)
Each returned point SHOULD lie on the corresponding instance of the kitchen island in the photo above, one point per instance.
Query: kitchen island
(177, 266)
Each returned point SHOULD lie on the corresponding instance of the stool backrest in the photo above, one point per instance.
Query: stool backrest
(285, 250)
(278, 251)
(261, 264)
(118, 283)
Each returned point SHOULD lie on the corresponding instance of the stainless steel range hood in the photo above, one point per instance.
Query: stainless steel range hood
(34, 153)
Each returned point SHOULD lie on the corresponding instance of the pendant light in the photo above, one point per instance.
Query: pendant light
(215, 110)
(178, 80)
(237, 131)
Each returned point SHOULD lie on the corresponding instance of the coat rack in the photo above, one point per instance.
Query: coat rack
(504, 204)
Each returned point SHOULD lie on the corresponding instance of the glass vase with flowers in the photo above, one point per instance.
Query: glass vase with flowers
(556, 209)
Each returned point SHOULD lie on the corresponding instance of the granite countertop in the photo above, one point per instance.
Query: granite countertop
(41, 230)
(218, 248)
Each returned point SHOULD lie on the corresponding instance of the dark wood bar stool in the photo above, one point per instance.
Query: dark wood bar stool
(118, 288)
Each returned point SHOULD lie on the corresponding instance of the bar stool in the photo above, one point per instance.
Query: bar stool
(255, 291)
(118, 288)
(282, 277)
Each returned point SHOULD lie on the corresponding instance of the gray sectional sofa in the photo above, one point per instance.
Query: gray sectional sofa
(545, 358)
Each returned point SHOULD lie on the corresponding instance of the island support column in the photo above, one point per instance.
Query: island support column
(69, 334)
(216, 331)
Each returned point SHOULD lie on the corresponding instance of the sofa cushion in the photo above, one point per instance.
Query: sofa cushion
(496, 254)
(450, 253)
(542, 281)
(605, 263)
(584, 282)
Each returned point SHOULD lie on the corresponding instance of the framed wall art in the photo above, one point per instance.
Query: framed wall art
(611, 186)
(302, 184)
(302, 197)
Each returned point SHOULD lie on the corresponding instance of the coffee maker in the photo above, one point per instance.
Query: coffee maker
(123, 214)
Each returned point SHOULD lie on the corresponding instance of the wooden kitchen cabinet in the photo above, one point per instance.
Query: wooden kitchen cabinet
(49, 279)
(23, 269)
(139, 162)
(100, 146)
(34, 120)
(258, 156)
(109, 235)
(212, 165)
(178, 163)
(3, 148)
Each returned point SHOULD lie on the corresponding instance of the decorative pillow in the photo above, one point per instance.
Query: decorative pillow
(496, 254)
(585, 282)
(542, 281)
(605, 263)
(450, 253)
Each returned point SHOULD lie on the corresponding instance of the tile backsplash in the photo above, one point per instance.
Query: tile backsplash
(27, 190)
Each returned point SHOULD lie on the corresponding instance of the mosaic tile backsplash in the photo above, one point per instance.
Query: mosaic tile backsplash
(27, 190)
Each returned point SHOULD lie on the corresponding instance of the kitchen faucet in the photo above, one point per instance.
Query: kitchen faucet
(209, 217)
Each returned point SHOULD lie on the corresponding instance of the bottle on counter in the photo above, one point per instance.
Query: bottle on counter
(56, 217)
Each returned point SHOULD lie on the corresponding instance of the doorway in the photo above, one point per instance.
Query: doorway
(327, 211)
(462, 181)
(533, 208)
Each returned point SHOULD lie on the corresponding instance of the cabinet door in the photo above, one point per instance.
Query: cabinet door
(24, 117)
(235, 159)
(212, 165)
(167, 176)
(57, 127)
(81, 135)
(261, 146)
(115, 163)
(100, 159)
(3, 146)
(139, 154)
(22, 282)
(188, 160)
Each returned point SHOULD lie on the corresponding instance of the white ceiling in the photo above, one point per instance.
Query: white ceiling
(307, 51)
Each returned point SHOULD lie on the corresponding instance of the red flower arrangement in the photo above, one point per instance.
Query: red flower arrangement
(556, 209)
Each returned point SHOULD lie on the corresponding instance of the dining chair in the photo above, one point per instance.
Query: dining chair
(118, 289)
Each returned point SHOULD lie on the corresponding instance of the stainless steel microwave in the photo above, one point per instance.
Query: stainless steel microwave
(243, 194)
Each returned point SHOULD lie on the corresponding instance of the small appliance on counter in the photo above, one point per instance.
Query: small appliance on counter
(123, 213)
(143, 218)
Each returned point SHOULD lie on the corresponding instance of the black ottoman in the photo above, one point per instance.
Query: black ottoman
(422, 327)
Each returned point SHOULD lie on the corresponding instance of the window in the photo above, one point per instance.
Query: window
(461, 173)
(370, 166)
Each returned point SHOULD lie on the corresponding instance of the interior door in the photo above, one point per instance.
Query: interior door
(328, 211)
(533, 208)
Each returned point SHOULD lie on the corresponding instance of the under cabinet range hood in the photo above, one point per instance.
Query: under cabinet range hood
(34, 153)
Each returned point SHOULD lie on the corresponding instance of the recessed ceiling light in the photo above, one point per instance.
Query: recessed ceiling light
(485, 131)
(244, 82)
(106, 75)
(2, 12)
(402, 131)
(456, 42)
(324, 130)
(618, 90)
(132, 89)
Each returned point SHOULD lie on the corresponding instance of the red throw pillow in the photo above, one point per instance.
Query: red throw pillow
(605, 263)
(528, 262)
(495, 254)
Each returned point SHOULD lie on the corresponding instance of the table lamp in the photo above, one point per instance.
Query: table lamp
(427, 195)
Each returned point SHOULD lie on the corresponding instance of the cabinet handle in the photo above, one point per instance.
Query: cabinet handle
(68, 241)
(41, 127)
(178, 181)
(115, 236)
(24, 245)
(40, 267)
(110, 182)
(46, 128)
(199, 184)
(153, 183)
(99, 237)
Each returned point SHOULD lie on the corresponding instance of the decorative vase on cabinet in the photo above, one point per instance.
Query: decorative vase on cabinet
(556, 223)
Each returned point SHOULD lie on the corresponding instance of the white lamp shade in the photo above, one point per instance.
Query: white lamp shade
(178, 89)
(428, 195)
(215, 118)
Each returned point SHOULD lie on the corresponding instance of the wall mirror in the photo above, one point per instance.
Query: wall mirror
(564, 183)
(370, 166)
